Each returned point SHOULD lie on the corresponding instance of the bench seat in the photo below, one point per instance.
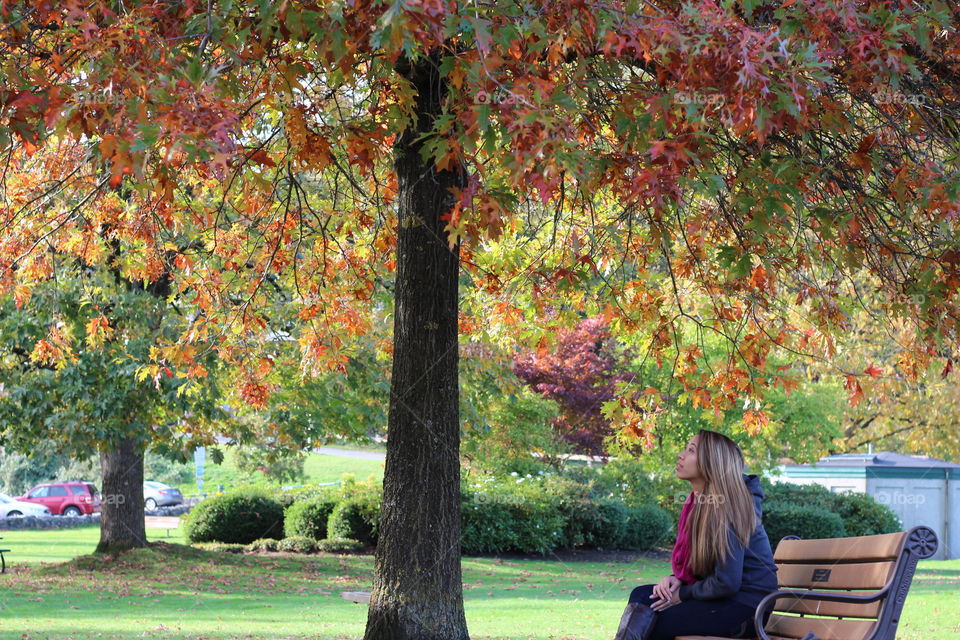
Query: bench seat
(855, 587)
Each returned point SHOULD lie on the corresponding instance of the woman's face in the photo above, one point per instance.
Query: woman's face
(687, 467)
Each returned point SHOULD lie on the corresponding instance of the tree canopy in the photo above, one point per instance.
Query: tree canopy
(669, 164)
(685, 169)
(74, 364)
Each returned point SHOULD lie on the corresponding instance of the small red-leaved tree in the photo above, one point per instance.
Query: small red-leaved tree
(580, 372)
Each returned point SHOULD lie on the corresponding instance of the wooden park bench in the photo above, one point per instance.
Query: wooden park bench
(3, 561)
(841, 588)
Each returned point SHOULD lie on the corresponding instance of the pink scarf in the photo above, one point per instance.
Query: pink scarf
(681, 549)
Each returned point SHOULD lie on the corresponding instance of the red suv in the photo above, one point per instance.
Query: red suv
(65, 498)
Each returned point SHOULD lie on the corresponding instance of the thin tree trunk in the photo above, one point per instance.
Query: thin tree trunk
(417, 589)
(121, 517)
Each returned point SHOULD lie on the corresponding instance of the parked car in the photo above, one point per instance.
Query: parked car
(10, 508)
(65, 498)
(157, 494)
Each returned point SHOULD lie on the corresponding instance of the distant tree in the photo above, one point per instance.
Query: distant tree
(506, 426)
(159, 468)
(20, 471)
(76, 374)
(580, 371)
(279, 466)
(904, 404)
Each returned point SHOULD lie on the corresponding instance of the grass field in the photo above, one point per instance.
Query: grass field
(318, 467)
(178, 593)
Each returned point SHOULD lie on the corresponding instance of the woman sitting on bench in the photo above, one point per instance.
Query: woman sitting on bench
(722, 562)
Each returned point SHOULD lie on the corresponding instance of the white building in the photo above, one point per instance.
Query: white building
(921, 490)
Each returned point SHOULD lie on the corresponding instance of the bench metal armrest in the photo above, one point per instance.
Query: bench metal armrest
(770, 599)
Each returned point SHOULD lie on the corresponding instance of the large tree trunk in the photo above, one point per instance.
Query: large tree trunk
(417, 588)
(121, 518)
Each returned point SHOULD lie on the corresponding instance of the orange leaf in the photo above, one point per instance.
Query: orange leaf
(758, 278)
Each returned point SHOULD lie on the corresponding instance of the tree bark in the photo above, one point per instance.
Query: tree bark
(417, 588)
(121, 516)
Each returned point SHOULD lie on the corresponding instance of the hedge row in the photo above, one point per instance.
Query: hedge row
(351, 512)
(812, 511)
(502, 515)
(523, 514)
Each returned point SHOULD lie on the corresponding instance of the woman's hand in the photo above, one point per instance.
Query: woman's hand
(666, 593)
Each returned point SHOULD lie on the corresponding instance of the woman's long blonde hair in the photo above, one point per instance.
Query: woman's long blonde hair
(725, 502)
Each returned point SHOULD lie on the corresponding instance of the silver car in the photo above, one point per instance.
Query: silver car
(10, 508)
(157, 494)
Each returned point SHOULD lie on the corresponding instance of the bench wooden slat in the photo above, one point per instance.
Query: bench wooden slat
(815, 607)
(857, 549)
(824, 628)
(866, 575)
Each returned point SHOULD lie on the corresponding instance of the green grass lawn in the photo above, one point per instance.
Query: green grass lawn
(60, 545)
(318, 467)
(180, 593)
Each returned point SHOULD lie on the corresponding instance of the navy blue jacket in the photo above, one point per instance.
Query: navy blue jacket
(748, 574)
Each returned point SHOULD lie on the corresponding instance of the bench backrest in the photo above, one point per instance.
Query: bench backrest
(877, 568)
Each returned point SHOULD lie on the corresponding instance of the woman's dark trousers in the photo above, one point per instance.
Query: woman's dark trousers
(724, 617)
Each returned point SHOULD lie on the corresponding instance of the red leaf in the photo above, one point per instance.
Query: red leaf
(873, 371)
(261, 157)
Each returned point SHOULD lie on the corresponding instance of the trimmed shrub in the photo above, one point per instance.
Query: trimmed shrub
(357, 513)
(808, 522)
(306, 492)
(795, 494)
(238, 518)
(648, 527)
(286, 499)
(861, 514)
(339, 545)
(626, 479)
(263, 544)
(536, 514)
(539, 526)
(505, 518)
(486, 526)
(223, 547)
(594, 523)
(297, 544)
(356, 519)
(309, 518)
